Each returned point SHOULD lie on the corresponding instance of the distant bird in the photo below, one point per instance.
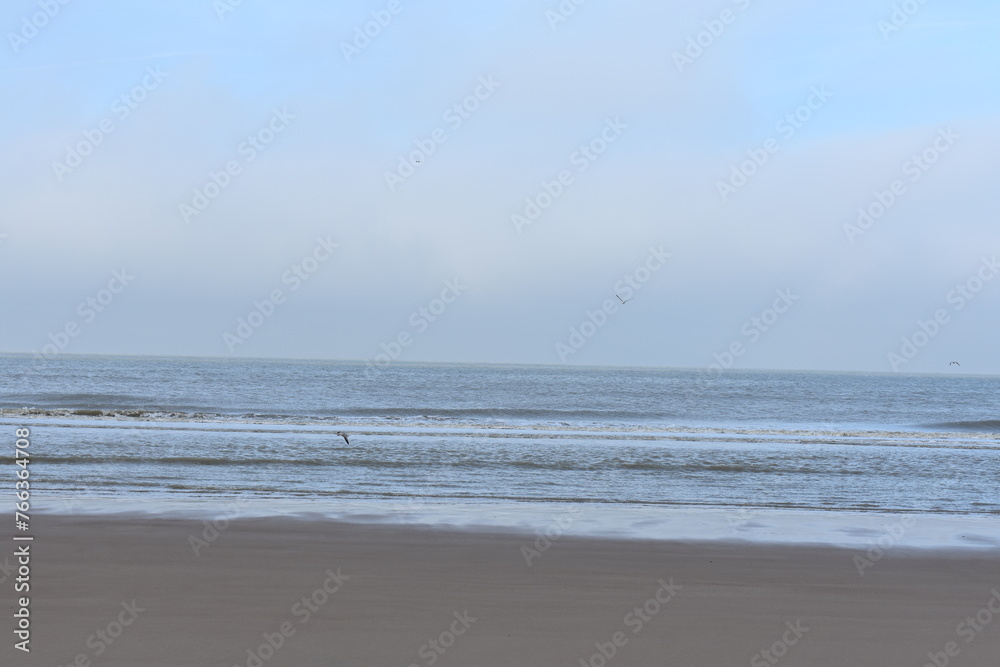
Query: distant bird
(344, 436)
(624, 301)
(954, 363)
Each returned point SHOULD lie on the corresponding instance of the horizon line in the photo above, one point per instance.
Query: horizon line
(417, 362)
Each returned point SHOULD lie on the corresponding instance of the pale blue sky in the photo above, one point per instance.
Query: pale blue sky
(656, 184)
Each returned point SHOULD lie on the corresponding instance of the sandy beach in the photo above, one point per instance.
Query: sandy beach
(131, 590)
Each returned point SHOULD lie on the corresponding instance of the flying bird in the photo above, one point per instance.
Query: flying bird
(954, 363)
(624, 301)
(344, 436)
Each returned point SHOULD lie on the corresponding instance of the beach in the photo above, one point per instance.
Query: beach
(565, 333)
(137, 590)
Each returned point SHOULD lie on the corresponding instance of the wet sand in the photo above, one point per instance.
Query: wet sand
(130, 590)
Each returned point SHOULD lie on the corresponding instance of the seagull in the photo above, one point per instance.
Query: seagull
(344, 436)
(954, 363)
(624, 301)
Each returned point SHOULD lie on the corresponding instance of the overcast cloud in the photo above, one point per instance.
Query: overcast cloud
(309, 128)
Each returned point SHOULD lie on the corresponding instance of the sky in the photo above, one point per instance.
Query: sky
(778, 184)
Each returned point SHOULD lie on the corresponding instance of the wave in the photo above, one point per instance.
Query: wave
(394, 429)
(100, 408)
(112, 413)
(436, 462)
(194, 460)
(498, 418)
(983, 426)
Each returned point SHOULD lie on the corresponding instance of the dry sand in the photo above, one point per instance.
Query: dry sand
(395, 589)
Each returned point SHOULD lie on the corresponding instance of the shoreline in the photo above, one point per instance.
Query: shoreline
(587, 520)
(329, 593)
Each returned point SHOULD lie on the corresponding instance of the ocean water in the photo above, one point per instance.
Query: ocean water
(743, 443)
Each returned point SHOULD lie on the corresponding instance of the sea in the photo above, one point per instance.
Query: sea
(650, 453)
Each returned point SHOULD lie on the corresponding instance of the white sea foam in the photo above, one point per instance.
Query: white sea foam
(633, 522)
